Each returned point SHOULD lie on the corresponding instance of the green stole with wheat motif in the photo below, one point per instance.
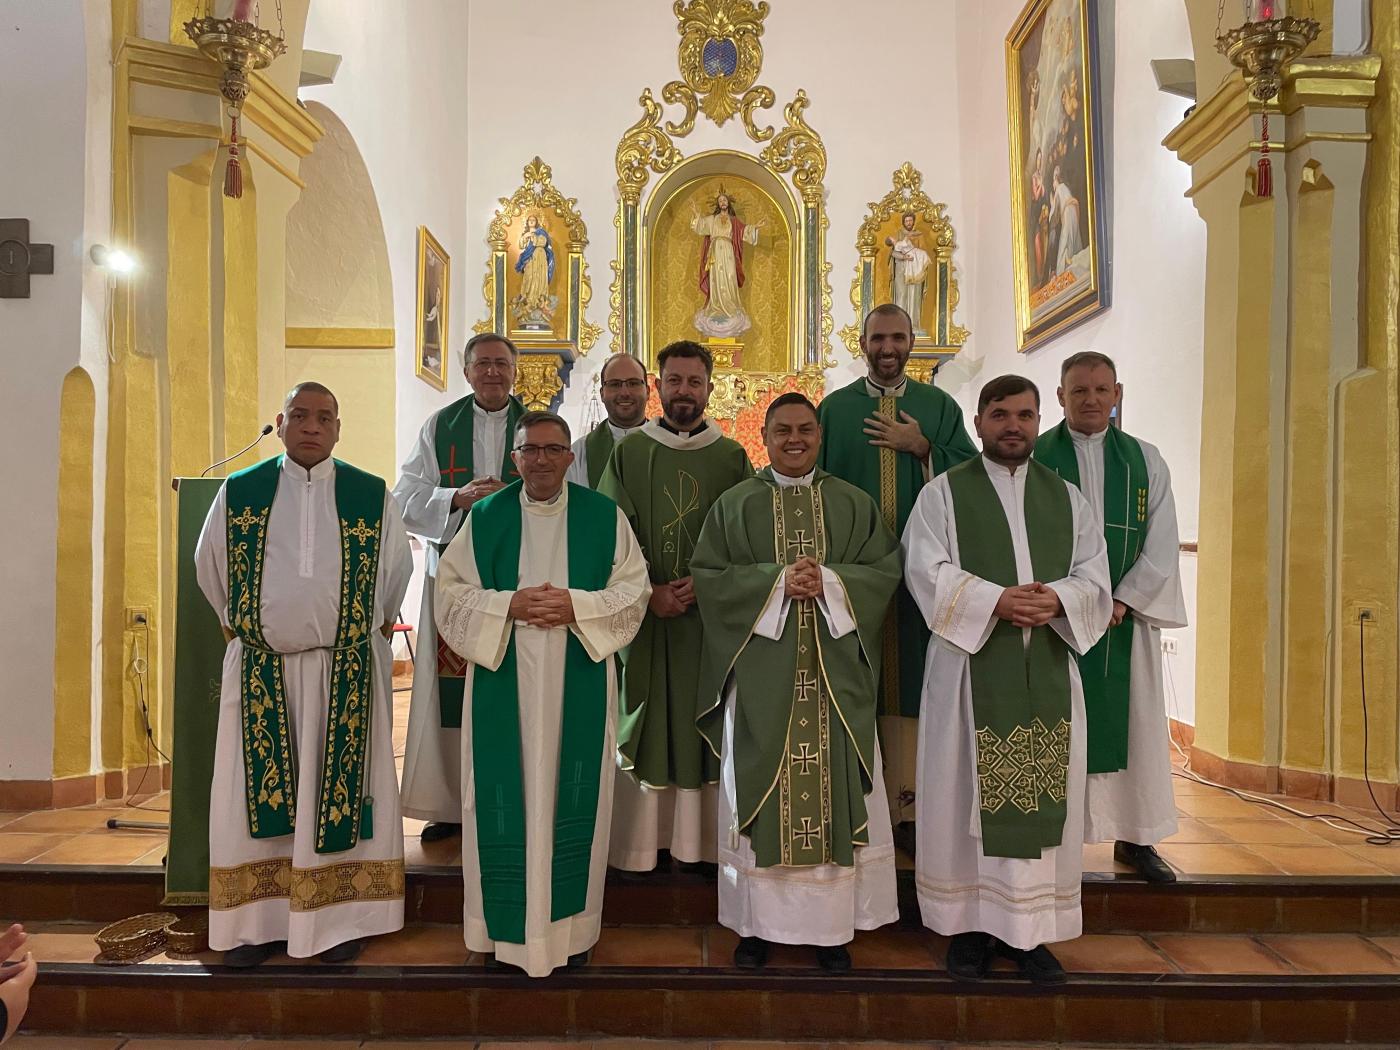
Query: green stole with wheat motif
(344, 814)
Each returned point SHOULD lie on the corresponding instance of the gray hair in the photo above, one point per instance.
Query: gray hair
(486, 337)
(530, 419)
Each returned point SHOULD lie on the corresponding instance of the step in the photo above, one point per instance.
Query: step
(679, 982)
(1197, 904)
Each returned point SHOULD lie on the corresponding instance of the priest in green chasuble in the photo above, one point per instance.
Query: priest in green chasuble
(665, 477)
(793, 572)
(1006, 561)
(305, 559)
(622, 387)
(462, 455)
(1127, 485)
(889, 434)
(544, 583)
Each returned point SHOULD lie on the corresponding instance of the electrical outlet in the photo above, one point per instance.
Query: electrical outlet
(138, 617)
(1169, 646)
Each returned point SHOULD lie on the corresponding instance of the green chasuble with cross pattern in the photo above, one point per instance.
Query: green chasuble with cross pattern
(804, 721)
(665, 490)
(453, 442)
(893, 480)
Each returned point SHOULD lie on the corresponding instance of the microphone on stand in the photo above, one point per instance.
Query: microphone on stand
(266, 430)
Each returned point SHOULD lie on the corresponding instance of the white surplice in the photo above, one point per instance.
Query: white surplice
(578, 469)
(431, 786)
(1024, 902)
(476, 622)
(1136, 804)
(275, 889)
(822, 904)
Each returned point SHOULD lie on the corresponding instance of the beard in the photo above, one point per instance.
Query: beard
(1012, 452)
(682, 410)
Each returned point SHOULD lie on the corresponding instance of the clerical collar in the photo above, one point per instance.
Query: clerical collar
(319, 472)
(1088, 439)
(666, 426)
(786, 481)
(491, 413)
(1011, 472)
(552, 502)
(874, 389)
(697, 439)
(619, 433)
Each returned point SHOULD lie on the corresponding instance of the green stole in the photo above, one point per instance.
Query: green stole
(804, 725)
(497, 768)
(453, 440)
(344, 813)
(1106, 669)
(597, 447)
(893, 481)
(1020, 692)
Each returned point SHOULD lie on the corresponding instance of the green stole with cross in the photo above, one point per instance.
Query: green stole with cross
(344, 813)
(453, 442)
(803, 747)
(497, 762)
(1106, 669)
(1021, 705)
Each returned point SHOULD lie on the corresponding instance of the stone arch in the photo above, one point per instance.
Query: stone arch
(72, 665)
(340, 303)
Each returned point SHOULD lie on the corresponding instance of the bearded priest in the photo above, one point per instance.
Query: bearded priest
(793, 572)
(544, 583)
(305, 559)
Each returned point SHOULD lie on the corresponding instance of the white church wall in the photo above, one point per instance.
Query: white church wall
(1153, 328)
(875, 101)
(60, 111)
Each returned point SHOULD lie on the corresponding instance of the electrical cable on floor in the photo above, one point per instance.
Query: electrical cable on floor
(139, 668)
(1383, 836)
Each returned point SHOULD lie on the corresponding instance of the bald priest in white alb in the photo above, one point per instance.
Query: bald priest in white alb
(542, 586)
(305, 560)
(1006, 562)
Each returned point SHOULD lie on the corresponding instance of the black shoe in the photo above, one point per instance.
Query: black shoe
(343, 953)
(579, 961)
(436, 831)
(834, 958)
(970, 955)
(1145, 860)
(708, 868)
(246, 956)
(751, 953)
(1039, 965)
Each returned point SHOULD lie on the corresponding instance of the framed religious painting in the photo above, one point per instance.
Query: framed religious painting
(1058, 192)
(434, 277)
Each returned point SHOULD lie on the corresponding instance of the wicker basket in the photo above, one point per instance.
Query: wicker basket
(188, 935)
(135, 938)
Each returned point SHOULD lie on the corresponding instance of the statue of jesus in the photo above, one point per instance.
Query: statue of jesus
(722, 268)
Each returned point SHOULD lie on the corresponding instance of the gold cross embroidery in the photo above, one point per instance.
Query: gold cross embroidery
(361, 531)
(805, 683)
(807, 833)
(804, 616)
(805, 758)
(804, 545)
(247, 519)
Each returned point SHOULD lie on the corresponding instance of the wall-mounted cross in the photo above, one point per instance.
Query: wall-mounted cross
(19, 258)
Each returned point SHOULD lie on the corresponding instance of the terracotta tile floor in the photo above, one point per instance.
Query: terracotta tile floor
(1219, 834)
(893, 948)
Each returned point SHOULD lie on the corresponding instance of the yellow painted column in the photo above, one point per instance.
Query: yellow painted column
(240, 358)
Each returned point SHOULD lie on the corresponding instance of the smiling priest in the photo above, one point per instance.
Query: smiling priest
(1007, 564)
(794, 570)
(305, 559)
(543, 584)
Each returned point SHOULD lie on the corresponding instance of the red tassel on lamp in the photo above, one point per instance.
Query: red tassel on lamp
(233, 171)
(1264, 179)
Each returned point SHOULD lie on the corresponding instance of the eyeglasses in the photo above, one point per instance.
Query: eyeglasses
(612, 386)
(548, 451)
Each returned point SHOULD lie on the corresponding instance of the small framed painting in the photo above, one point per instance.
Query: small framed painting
(434, 281)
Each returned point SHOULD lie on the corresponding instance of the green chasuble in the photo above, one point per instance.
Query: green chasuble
(497, 764)
(343, 813)
(598, 447)
(665, 493)
(804, 724)
(1021, 706)
(453, 443)
(1106, 668)
(893, 480)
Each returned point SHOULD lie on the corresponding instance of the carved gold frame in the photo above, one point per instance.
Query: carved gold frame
(545, 358)
(947, 337)
(794, 151)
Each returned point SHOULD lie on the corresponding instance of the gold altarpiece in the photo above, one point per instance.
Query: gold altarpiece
(655, 294)
(906, 215)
